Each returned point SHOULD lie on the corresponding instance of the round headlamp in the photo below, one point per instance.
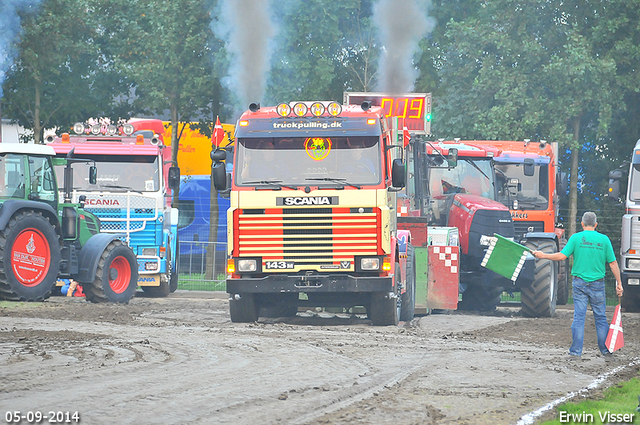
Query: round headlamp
(317, 109)
(334, 109)
(300, 109)
(78, 128)
(112, 130)
(95, 129)
(283, 109)
(128, 129)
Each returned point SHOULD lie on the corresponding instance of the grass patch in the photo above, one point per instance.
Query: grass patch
(197, 282)
(619, 400)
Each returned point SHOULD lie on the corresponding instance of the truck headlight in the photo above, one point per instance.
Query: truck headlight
(246, 265)
(485, 240)
(370, 263)
(634, 282)
(149, 251)
(633, 263)
(151, 266)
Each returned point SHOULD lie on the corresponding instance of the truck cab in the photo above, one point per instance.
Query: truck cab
(131, 195)
(312, 212)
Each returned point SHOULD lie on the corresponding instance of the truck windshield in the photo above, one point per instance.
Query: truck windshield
(531, 192)
(471, 176)
(296, 161)
(634, 183)
(117, 173)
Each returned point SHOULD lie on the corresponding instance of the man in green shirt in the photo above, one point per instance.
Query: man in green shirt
(591, 252)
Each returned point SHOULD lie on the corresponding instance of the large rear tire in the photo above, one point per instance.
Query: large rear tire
(539, 300)
(564, 278)
(116, 278)
(480, 298)
(408, 299)
(243, 308)
(29, 257)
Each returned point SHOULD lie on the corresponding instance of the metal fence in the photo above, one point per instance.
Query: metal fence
(202, 265)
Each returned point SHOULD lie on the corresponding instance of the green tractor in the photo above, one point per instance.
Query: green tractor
(42, 239)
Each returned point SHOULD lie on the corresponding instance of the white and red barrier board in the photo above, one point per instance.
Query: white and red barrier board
(442, 288)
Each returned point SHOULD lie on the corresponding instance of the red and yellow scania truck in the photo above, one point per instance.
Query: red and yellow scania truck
(312, 219)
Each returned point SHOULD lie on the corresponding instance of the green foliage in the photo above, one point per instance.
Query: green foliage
(621, 399)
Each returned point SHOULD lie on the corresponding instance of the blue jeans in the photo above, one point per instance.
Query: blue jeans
(593, 293)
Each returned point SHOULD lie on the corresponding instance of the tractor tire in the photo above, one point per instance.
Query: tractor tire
(278, 305)
(116, 277)
(243, 308)
(161, 291)
(480, 298)
(408, 299)
(539, 300)
(29, 257)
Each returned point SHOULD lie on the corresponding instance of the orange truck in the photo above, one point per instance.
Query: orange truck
(529, 183)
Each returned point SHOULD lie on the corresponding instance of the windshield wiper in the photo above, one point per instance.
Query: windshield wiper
(115, 186)
(335, 180)
(479, 169)
(277, 183)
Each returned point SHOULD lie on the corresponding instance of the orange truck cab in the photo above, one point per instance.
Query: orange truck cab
(529, 183)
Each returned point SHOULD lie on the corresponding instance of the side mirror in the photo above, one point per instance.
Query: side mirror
(226, 193)
(174, 178)
(562, 183)
(529, 167)
(218, 155)
(452, 158)
(614, 184)
(219, 175)
(398, 173)
(93, 174)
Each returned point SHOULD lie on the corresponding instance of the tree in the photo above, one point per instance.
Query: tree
(51, 82)
(166, 49)
(322, 50)
(527, 70)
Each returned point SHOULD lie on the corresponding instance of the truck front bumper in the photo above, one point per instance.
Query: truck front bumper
(313, 283)
(634, 277)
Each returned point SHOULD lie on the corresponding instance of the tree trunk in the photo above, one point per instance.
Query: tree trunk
(37, 127)
(216, 260)
(573, 187)
(175, 144)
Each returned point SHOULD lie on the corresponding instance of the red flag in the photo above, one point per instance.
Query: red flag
(218, 133)
(406, 135)
(615, 338)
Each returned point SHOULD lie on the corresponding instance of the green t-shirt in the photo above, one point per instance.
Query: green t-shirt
(592, 251)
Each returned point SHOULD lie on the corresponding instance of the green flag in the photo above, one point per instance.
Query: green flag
(505, 257)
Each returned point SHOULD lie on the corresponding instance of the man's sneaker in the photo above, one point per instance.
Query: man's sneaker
(608, 357)
(574, 358)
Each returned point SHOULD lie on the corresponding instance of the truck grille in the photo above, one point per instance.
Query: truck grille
(635, 233)
(522, 227)
(311, 238)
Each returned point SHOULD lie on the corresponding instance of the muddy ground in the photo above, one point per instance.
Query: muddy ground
(179, 360)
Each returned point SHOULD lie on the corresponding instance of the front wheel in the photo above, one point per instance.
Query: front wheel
(29, 257)
(243, 308)
(539, 299)
(116, 277)
(409, 297)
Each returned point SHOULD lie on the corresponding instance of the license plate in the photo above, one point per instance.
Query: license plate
(271, 265)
